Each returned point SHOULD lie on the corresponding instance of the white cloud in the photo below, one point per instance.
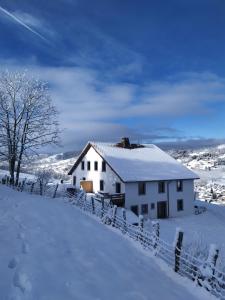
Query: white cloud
(91, 108)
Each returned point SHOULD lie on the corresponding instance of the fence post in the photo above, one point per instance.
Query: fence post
(178, 245)
(114, 215)
(55, 191)
(84, 201)
(93, 205)
(22, 186)
(213, 256)
(156, 231)
(41, 188)
(102, 208)
(208, 269)
(32, 188)
(124, 229)
(140, 228)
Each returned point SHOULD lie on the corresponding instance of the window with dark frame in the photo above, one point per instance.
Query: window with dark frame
(88, 165)
(96, 166)
(179, 185)
(180, 205)
(141, 188)
(101, 185)
(152, 205)
(134, 209)
(144, 209)
(82, 165)
(161, 187)
(103, 166)
(74, 180)
(118, 187)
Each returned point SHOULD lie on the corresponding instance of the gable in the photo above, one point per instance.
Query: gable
(90, 147)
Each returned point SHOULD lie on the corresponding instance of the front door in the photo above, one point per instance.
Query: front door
(162, 210)
(87, 186)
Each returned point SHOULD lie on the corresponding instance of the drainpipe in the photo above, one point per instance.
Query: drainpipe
(168, 197)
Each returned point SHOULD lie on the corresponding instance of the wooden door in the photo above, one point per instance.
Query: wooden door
(87, 186)
(162, 210)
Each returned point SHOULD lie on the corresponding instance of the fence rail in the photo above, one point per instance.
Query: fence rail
(203, 273)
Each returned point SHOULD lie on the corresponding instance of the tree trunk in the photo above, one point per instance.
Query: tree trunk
(19, 163)
(12, 162)
(18, 172)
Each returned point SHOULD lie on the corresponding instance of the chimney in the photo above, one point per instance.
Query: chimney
(125, 142)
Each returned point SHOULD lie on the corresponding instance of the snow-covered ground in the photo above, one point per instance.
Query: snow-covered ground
(50, 250)
(199, 230)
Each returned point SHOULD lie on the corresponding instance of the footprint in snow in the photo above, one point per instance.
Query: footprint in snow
(25, 248)
(13, 263)
(21, 281)
(15, 295)
(21, 236)
(22, 226)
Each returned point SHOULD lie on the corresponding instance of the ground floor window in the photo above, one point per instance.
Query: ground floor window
(152, 205)
(180, 205)
(144, 209)
(101, 185)
(134, 209)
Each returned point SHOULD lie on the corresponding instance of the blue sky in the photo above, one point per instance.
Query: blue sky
(151, 70)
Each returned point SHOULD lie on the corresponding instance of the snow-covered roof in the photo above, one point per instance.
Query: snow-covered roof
(149, 163)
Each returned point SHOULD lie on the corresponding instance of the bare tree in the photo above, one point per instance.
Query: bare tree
(28, 119)
(44, 176)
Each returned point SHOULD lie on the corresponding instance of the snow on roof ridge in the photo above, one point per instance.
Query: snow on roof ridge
(139, 163)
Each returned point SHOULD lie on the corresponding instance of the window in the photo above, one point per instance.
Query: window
(179, 185)
(161, 187)
(180, 205)
(141, 188)
(82, 165)
(103, 166)
(152, 205)
(88, 165)
(96, 166)
(144, 209)
(118, 187)
(134, 209)
(101, 185)
(74, 180)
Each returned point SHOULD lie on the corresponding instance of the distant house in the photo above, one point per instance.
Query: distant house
(142, 178)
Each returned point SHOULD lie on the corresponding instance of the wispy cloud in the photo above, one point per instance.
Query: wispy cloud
(22, 23)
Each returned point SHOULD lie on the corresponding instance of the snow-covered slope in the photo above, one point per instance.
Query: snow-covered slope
(50, 250)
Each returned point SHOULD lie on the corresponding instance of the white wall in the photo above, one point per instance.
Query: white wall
(109, 176)
(152, 196)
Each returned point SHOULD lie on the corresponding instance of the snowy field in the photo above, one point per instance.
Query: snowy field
(50, 250)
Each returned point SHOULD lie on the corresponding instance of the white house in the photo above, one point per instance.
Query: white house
(142, 178)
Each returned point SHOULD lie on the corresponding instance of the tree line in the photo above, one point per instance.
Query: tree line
(28, 119)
